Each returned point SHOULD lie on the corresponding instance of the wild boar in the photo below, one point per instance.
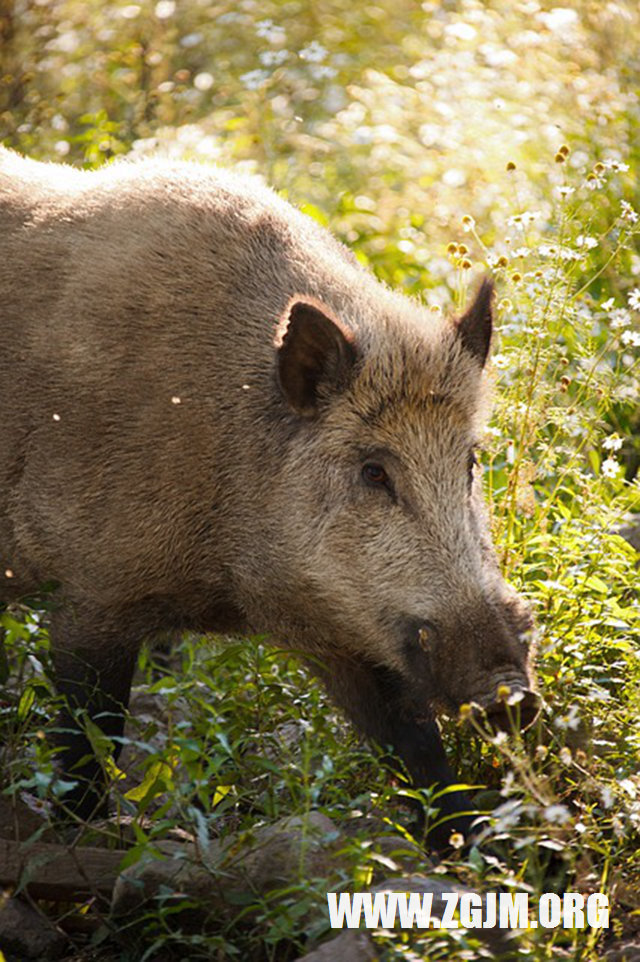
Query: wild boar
(214, 418)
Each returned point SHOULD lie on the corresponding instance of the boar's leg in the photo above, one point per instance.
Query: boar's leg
(94, 680)
(375, 698)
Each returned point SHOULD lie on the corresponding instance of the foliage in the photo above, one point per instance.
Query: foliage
(440, 141)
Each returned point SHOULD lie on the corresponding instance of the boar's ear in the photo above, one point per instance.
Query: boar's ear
(475, 325)
(315, 355)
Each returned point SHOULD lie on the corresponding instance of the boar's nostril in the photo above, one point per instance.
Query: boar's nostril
(514, 712)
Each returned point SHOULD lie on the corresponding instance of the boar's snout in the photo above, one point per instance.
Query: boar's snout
(518, 710)
(482, 658)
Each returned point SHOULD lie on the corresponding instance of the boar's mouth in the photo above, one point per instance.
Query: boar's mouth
(503, 697)
(508, 705)
(518, 711)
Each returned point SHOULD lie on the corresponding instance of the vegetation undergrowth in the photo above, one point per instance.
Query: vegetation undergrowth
(358, 115)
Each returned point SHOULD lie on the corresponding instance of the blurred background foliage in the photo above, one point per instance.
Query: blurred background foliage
(409, 110)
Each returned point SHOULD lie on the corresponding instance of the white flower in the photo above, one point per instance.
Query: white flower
(500, 361)
(612, 443)
(633, 299)
(618, 827)
(507, 782)
(565, 755)
(559, 19)
(314, 53)
(273, 58)
(254, 79)
(631, 337)
(524, 219)
(461, 31)
(570, 720)
(270, 32)
(572, 425)
(628, 786)
(521, 252)
(627, 212)
(385, 133)
(322, 71)
(508, 814)
(620, 318)
(609, 468)
(165, 9)
(585, 241)
(566, 191)
(363, 135)
(557, 813)
(616, 165)
(607, 796)
(607, 305)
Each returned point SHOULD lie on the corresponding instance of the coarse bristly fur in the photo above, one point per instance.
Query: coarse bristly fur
(212, 416)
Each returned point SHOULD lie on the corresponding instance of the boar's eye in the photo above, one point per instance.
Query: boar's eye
(376, 477)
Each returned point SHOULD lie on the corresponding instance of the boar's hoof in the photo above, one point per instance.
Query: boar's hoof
(514, 714)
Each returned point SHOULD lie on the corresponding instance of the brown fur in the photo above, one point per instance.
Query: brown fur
(179, 450)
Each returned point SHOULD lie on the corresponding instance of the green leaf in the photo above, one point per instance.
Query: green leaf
(318, 215)
(4, 661)
(597, 584)
(158, 779)
(26, 703)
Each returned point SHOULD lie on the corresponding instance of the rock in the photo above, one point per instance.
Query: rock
(404, 853)
(24, 817)
(256, 862)
(356, 946)
(623, 952)
(499, 940)
(27, 934)
(273, 857)
(631, 533)
(351, 946)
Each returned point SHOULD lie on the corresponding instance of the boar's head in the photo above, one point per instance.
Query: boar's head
(381, 512)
